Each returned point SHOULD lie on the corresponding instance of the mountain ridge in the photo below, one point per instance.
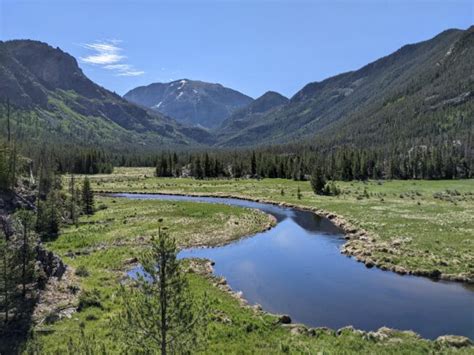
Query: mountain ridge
(47, 85)
(340, 99)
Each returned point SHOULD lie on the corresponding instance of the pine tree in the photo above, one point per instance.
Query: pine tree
(48, 216)
(87, 197)
(207, 166)
(7, 278)
(159, 312)
(253, 164)
(198, 173)
(26, 222)
(318, 181)
(73, 199)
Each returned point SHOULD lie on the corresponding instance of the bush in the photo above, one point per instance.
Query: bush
(331, 189)
(82, 271)
(89, 299)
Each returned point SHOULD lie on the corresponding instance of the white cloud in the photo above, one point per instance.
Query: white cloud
(107, 54)
(124, 69)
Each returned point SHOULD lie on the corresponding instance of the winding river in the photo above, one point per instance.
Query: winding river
(296, 268)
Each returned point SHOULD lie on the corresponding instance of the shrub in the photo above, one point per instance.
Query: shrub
(82, 271)
(318, 182)
(89, 299)
(331, 189)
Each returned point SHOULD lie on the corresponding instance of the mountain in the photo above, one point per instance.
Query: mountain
(53, 99)
(422, 90)
(270, 102)
(190, 101)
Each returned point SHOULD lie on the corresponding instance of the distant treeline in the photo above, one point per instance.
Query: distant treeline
(447, 159)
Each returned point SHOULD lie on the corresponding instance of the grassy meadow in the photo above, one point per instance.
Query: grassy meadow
(102, 247)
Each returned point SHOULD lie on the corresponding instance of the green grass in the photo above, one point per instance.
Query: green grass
(433, 219)
(106, 240)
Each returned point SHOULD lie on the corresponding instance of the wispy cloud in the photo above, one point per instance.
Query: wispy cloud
(108, 55)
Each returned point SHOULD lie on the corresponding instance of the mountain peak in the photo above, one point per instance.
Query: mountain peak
(192, 101)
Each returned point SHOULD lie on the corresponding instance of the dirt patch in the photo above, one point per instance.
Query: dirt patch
(58, 300)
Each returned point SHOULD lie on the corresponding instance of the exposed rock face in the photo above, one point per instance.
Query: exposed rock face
(50, 263)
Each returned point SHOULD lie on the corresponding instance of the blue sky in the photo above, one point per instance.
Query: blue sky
(251, 46)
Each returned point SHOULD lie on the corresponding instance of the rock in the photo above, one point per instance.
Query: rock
(296, 329)
(284, 319)
(348, 328)
(50, 263)
(456, 341)
(221, 281)
(375, 336)
(369, 263)
(315, 332)
(397, 242)
(400, 270)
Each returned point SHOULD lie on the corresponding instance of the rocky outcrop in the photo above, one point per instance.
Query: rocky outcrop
(50, 263)
(454, 341)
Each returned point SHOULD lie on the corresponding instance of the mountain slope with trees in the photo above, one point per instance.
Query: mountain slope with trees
(423, 90)
(270, 102)
(51, 98)
(190, 101)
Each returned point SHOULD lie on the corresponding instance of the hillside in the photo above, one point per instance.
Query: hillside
(190, 101)
(423, 90)
(268, 103)
(51, 98)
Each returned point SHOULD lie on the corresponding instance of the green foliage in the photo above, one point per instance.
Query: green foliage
(331, 189)
(87, 197)
(8, 282)
(17, 278)
(318, 182)
(8, 167)
(159, 311)
(49, 215)
(26, 221)
(86, 344)
(82, 271)
(89, 299)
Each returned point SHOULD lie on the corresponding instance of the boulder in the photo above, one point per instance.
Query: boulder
(296, 329)
(456, 341)
(369, 263)
(284, 319)
(51, 264)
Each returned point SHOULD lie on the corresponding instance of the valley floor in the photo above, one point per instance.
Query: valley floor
(426, 225)
(418, 226)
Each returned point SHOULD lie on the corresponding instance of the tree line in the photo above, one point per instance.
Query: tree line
(446, 161)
